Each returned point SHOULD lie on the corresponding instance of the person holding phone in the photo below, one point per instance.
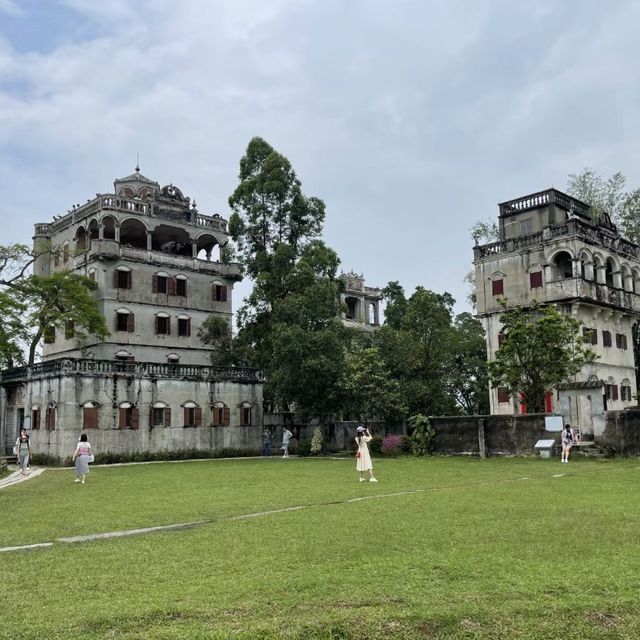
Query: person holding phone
(567, 442)
(363, 458)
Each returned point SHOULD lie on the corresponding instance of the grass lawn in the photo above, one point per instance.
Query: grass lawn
(445, 548)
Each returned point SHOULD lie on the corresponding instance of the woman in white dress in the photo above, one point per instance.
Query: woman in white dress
(363, 459)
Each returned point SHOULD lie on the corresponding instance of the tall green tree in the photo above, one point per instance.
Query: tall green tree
(289, 325)
(610, 195)
(414, 343)
(63, 301)
(371, 392)
(541, 348)
(466, 366)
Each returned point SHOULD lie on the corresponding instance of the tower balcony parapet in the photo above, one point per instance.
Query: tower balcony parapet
(82, 367)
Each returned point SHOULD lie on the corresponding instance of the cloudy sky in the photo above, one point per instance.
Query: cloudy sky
(411, 119)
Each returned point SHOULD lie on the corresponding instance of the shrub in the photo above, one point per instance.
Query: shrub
(421, 435)
(112, 457)
(45, 460)
(375, 446)
(304, 447)
(391, 444)
(407, 444)
(317, 441)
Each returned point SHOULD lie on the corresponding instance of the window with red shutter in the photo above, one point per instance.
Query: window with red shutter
(197, 417)
(154, 283)
(535, 279)
(181, 286)
(215, 416)
(503, 396)
(219, 293)
(184, 326)
(123, 423)
(497, 288)
(167, 417)
(135, 418)
(90, 418)
(171, 286)
(615, 391)
(50, 418)
(131, 323)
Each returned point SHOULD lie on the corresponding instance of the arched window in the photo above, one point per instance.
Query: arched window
(122, 278)
(50, 416)
(90, 415)
(81, 239)
(129, 416)
(160, 282)
(181, 285)
(162, 324)
(35, 416)
(219, 292)
(160, 415)
(125, 320)
(245, 414)
(192, 414)
(220, 414)
(184, 325)
(563, 266)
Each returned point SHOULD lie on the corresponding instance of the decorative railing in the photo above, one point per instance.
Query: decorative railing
(573, 227)
(138, 207)
(544, 199)
(69, 366)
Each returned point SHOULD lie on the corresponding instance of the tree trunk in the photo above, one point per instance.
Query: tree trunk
(33, 346)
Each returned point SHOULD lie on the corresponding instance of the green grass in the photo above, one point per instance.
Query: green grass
(477, 552)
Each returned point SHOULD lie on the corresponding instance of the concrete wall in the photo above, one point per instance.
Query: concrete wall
(108, 392)
(622, 432)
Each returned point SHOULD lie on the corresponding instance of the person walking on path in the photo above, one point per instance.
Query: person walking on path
(286, 438)
(267, 437)
(567, 442)
(363, 459)
(23, 450)
(81, 458)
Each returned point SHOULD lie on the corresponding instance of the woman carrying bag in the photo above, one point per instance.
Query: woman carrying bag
(82, 456)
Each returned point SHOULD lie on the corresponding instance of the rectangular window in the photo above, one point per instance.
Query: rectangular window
(611, 391)
(181, 287)
(163, 326)
(35, 419)
(501, 339)
(221, 416)
(157, 418)
(184, 326)
(123, 279)
(50, 418)
(526, 227)
(219, 293)
(497, 288)
(125, 322)
(592, 334)
(90, 418)
(535, 279)
(621, 341)
(503, 396)
(162, 284)
(625, 393)
(245, 416)
(50, 335)
(69, 329)
(192, 416)
(129, 418)
(606, 338)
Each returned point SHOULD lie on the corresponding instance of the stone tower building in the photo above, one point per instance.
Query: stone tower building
(362, 302)
(552, 251)
(150, 385)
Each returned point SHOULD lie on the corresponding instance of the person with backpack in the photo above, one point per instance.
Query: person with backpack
(567, 442)
(23, 450)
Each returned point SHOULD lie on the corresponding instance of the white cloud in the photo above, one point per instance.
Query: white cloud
(11, 8)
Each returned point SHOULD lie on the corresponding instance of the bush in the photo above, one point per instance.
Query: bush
(375, 446)
(112, 457)
(407, 444)
(304, 447)
(391, 444)
(45, 460)
(421, 435)
(317, 441)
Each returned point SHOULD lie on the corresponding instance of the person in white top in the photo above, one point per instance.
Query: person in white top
(363, 459)
(81, 458)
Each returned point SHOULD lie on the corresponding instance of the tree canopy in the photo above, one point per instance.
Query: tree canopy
(608, 195)
(541, 348)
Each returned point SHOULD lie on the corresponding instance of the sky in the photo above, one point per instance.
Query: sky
(411, 119)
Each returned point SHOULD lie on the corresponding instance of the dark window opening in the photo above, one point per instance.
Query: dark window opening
(50, 334)
(497, 287)
(181, 287)
(503, 396)
(621, 341)
(245, 416)
(69, 329)
(606, 338)
(219, 293)
(163, 325)
(123, 279)
(184, 326)
(591, 334)
(535, 279)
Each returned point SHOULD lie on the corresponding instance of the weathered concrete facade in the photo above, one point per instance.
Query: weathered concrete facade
(149, 385)
(551, 251)
(362, 303)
